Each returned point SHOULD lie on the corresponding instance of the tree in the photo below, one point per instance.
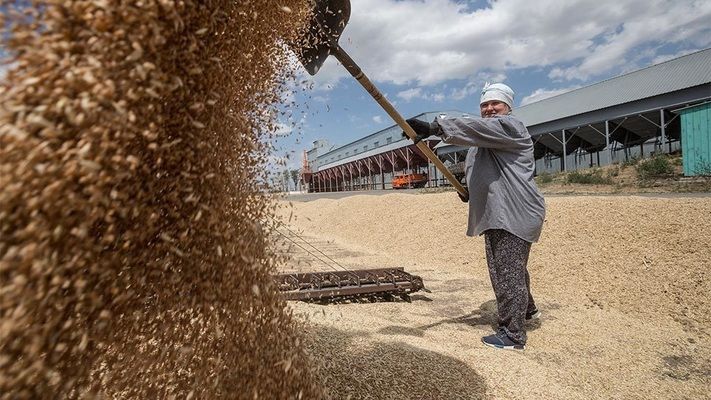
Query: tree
(295, 177)
(286, 176)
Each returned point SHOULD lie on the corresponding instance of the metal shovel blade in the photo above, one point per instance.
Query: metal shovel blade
(328, 21)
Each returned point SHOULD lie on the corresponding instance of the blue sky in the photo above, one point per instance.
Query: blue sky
(427, 55)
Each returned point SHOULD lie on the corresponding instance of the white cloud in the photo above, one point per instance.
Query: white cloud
(378, 119)
(282, 129)
(666, 57)
(410, 94)
(474, 85)
(467, 90)
(419, 93)
(431, 41)
(640, 30)
(327, 77)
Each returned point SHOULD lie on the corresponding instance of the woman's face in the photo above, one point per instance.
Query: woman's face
(492, 108)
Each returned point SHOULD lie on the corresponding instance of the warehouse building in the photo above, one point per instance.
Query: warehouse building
(659, 109)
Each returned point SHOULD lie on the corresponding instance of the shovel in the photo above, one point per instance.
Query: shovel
(327, 23)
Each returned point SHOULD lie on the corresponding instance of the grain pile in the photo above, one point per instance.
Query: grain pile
(131, 265)
(623, 283)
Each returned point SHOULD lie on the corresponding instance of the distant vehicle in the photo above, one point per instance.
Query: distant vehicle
(409, 181)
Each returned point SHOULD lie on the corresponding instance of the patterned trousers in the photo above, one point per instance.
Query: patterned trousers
(507, 258)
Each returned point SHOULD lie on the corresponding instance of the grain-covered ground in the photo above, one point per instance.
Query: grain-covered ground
(623, 283)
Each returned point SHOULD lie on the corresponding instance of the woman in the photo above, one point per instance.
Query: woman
(504, 203)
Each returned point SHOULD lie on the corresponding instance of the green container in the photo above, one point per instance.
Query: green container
(696, 139)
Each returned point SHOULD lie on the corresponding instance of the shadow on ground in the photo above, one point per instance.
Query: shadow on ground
(486, 315)
(356, 366)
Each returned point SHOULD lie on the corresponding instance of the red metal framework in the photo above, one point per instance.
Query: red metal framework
(361, 174)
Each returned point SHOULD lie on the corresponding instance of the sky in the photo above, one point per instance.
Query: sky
(429, 55)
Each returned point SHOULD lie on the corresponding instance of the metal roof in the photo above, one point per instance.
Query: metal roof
(669, 76)
(378, 150)
(396, 144)
(670, 83)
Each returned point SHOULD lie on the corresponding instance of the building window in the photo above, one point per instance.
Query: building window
(348, 153)
(389, 140)
(376, 144)
(365, 148)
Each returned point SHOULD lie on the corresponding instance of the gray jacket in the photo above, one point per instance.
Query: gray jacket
(499, 171)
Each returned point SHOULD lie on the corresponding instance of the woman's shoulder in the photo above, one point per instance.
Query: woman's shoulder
(512, 125)
(511, 119)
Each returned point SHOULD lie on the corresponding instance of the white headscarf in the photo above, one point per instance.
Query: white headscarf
(497, 91)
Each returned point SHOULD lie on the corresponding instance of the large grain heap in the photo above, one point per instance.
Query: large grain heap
(131, 262)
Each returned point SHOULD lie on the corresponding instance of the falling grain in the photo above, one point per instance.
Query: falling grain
(130, 149)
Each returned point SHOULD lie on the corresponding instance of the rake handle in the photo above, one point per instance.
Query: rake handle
(357, 73)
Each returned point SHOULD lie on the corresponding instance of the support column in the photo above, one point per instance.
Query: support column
(429, 169)
(607, 139)
(350, 172)
(663, 127)
(344, 185)
(407, 159)
(565, 163)
(382, 174)
(392, 157)
(360, 178)
(436, 177)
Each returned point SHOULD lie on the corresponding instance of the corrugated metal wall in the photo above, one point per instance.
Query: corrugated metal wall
(696, 139)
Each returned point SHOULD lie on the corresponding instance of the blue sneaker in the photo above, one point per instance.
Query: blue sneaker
(501, 341)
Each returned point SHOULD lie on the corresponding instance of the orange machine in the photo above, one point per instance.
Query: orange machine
(407, 181)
